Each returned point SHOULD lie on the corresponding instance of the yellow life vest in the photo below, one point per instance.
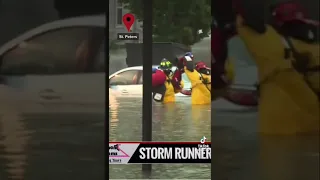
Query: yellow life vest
(201, 93)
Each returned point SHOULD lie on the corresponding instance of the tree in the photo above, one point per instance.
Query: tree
(176, 21)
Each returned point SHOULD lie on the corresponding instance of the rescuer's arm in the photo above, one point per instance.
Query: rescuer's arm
(223, 28)
(176, 80)
(220, 68)
(158, 78)
(220, 62)
(181, 84)
(177, 75)
(178, 89)
(186, 65)
(230, 69)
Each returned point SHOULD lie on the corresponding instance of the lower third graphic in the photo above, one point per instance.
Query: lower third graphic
(116, 154)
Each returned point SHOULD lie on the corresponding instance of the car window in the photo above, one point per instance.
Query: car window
(100, 59)
(60, 51)
(129, 77)
(141, 78)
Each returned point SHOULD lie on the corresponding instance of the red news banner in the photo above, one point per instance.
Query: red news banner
(159, 152)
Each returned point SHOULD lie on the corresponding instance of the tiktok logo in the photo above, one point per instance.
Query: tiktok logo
(203, 140)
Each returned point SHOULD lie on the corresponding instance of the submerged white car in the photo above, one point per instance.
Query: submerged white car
(52, 94)
(58, 66)
(128, 82)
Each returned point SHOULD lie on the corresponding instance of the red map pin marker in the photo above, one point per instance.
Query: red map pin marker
(128, 20)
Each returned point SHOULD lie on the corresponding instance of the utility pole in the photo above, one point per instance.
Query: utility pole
(147, 79)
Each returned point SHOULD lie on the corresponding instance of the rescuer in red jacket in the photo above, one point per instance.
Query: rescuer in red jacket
(166, 83)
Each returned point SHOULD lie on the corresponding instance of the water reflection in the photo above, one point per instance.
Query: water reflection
(35, 144)
(201, 114)
(289, 158)
(14, 141)
(171, 122)
(113, 110)
(14, 137)
(239, 151)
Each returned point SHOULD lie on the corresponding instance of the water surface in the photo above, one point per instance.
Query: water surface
(171, 122)
(51, 146)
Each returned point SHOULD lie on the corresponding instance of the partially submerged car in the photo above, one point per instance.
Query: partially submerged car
(59, 63)
(129, 82)
(52, 101)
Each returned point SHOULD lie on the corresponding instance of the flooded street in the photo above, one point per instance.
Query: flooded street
(67, 141)
(238, 150)
(70, 145)
(51, 146)
(171, 122)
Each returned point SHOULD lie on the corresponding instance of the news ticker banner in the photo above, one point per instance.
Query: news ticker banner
(159, 152)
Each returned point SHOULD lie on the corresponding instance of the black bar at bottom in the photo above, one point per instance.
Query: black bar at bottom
(147, 78)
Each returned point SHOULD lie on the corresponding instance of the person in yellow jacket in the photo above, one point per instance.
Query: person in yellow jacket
(222, 68)
(228, 76)
(200, 77)
(311, 72)
(300, 37)
(287, 105)
(166, 83)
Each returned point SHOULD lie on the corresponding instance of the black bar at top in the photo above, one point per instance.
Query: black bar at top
(147, 78)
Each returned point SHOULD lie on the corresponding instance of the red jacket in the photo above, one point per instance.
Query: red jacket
(176, 79)
(159, 78)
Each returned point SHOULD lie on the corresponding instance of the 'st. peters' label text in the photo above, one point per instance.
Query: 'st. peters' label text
(128, 36)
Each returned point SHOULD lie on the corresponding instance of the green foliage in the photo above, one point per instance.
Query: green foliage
(176, 21)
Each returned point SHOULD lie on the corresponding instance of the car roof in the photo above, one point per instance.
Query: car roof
(141, 67)
(97, 20)
(134, 68)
